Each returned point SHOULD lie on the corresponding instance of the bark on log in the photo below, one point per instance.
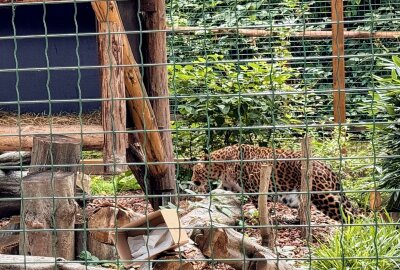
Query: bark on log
(55, 150)
(217, 241)
(305, 186)
(156, 82)
(113, 92)
(20, 262)
(40, 213)
(15, 158)
(140, 110)
(12, 140)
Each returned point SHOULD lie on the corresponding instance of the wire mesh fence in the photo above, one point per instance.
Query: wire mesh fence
(147, 134)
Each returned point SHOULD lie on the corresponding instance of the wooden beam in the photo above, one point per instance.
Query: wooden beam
(156, 81)
(320, 34)
(338, 72)
(12, 140)
(113, 106)
(140, 110)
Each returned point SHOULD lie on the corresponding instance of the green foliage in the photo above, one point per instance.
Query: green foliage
(123, 182)
(359, 240)
(387, 104)
(224, 95)
(90, 259)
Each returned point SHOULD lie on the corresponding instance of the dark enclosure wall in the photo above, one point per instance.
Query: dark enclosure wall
(33, 81)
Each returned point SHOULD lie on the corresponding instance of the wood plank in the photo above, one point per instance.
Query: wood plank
(140, 110)
(338, 62)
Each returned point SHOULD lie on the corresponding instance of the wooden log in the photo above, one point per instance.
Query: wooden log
(139, 107)
(306, 186)
(156, 82)
(41, 213)
(15, 158)
(173, 264)
(12, 139)
(55, 150)
(9, 244)
(338, 63)
(221, 243)
(21, 262)
(113, 94)
(10, 198)
(267, 33)
(268, 234)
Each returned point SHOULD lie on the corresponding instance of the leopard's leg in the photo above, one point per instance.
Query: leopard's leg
(336, 206)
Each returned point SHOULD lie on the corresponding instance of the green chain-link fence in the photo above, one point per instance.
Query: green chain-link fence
(163, 103)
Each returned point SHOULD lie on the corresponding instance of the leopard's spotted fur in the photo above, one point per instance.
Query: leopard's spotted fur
(287, 175)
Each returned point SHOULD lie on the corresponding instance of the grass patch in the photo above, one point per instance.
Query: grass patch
(360, 241)
(123, 182)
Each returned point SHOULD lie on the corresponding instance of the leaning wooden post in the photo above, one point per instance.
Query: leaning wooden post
(46, 216)
(113, 94)
(156, 82)
(306, 187)
(268, 235)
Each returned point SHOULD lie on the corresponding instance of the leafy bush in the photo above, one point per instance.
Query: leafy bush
(123, 182)
(225, 96)
(358, 240)
(387, 103)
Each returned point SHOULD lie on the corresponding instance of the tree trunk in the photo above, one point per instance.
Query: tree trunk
(53, 151)
(156, 82)
(41, 214)
(113, 93)
(139, 108)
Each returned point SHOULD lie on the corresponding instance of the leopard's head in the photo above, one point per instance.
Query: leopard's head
(199, 176)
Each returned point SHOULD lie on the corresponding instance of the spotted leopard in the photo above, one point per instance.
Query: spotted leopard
(225, 165)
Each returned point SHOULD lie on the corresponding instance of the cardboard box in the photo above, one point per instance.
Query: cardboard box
(167, 218)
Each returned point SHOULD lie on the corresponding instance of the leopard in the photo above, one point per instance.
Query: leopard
(238, 167)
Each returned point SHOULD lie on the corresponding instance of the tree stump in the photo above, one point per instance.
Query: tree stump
(55, 150)
(40, 214)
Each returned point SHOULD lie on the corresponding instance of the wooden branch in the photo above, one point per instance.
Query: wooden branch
(140, 109)
(268, 234)
(338, 67)
(22, 262)
(10, 140)
(318, 34)
(305, 186)
(156, 82)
